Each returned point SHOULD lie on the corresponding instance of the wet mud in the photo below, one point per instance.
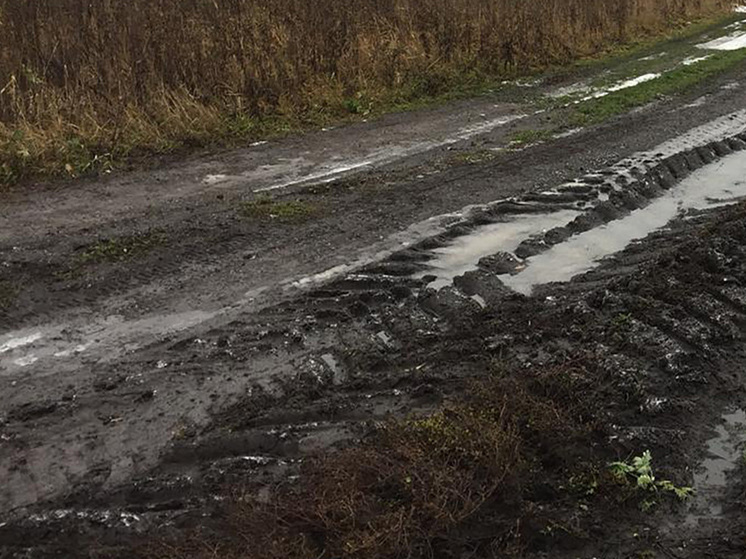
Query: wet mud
(123, 425)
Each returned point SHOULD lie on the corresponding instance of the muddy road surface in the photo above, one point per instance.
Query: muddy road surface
(165, 333)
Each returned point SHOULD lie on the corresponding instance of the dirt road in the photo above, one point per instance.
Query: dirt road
(163, 331)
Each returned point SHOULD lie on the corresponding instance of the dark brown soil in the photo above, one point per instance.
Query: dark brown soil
(183, 354)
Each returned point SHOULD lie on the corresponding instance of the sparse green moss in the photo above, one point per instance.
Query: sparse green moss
(528, 137)
(267, 208)
(8, 294)
(120, 249)
(678, 80)
(471, 157)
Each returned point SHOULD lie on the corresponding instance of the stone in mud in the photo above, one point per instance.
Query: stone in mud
(556, 197)
(736, 144)
(585, 222)
(431, 243)
(531, 247)
(607, 211)
(482, 284)
(664, 177)
(482, 217)
(557, 235)
(593, 179)
(512, 207)
(409, 255)
(677, 165)
(458, 231)
(32, 410)
(693, 159)
(721, 148)
(628, 199)
(448, 303)
(500, 263)
(678, 362)
(108, 383)
(707, 154)
(648, 188)
(393, 268)
(578, 189)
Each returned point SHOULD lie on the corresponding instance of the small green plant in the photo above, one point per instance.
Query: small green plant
(622, 321)
(358, 105)
(639, 471)
(80, 159)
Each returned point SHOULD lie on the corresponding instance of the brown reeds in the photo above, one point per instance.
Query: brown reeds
(82, 80)
(458, 479)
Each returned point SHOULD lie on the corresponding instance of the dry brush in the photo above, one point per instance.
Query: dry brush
(82, 81)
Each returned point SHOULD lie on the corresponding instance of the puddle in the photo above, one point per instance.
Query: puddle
(697, 102)
(724, 453)
(694, 60)
(15, 343)
(465, 252)
(572, 89)
(622, 85)
(590, 92)
(734, 41)
(713, 185)
(105, 339)
(215, 179)
(332, 172)
(26, 361)
(718, 129)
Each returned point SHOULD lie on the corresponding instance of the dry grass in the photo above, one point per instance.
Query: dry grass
(428, 486)
(83, 83)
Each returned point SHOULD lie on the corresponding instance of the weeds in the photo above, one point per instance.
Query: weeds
(639, 471)
(414, 483)
(86, 84)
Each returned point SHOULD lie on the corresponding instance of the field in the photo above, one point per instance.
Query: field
(86, 85)
(490, 303)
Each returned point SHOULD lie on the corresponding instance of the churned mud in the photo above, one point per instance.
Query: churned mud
(166, 352)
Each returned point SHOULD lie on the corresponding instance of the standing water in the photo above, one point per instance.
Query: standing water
(714, 185)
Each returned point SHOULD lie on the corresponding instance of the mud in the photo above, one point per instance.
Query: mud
(137, 390)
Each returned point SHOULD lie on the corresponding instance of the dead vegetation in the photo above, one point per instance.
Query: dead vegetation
(470, 476)
(84, 84)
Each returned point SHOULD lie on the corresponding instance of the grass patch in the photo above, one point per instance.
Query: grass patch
(529, 137)
(683, 37)
(266, 208)
(678, 80)
(471, 157)
(119, 249)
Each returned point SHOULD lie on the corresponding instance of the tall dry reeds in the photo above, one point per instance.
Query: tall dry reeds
(80, 79)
